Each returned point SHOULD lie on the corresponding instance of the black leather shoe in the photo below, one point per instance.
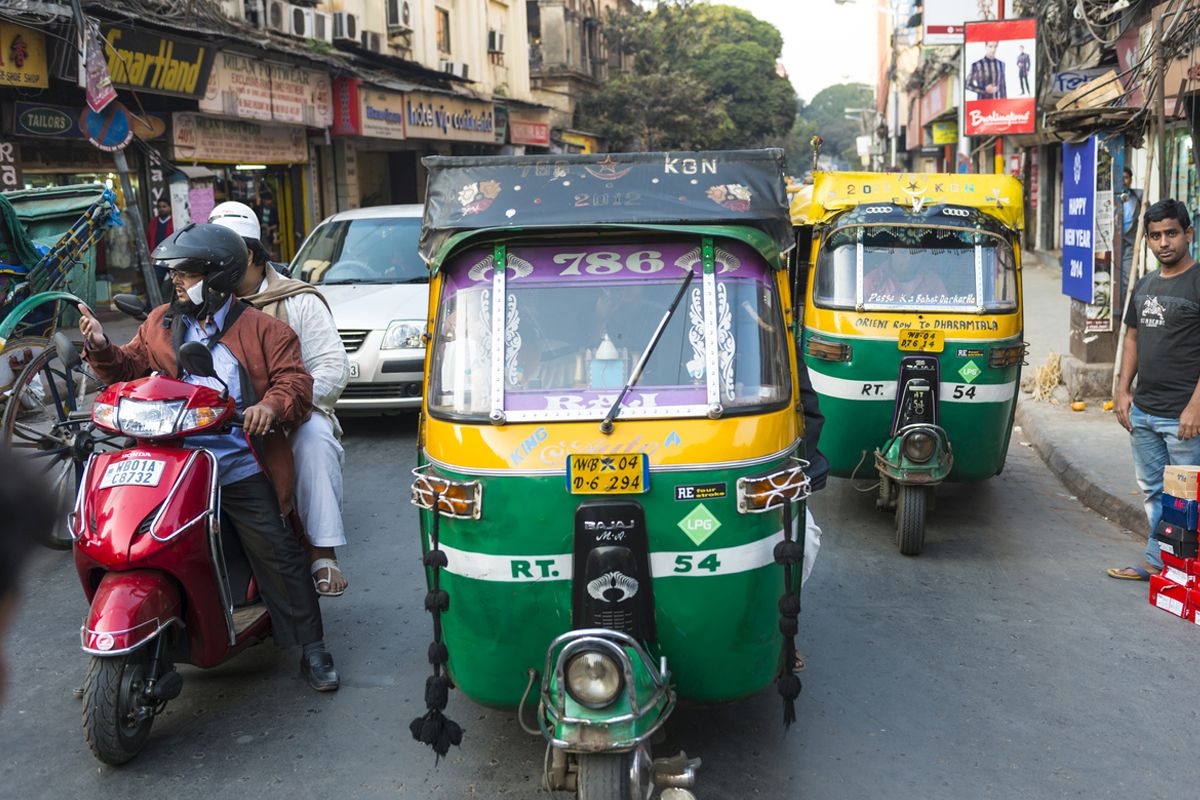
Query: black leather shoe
(317, 669)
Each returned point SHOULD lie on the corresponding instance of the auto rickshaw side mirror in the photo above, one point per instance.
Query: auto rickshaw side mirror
(66, 350)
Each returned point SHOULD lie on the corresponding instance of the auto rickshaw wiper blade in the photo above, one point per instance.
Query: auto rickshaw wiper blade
(606, 425)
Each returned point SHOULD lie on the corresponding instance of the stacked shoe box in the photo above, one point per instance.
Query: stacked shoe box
(1176, 589)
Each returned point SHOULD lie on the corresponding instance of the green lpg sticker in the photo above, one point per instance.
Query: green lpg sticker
(970, 371)
(699, 524)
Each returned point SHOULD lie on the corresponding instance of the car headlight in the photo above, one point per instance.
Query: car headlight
(148, 419)
(919, 446)
(403, 335)
(594, 679)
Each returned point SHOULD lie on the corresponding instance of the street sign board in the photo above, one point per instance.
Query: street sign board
(1079, 218)
(945, 20)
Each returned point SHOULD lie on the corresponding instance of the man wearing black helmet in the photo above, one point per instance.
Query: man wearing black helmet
(259, 359)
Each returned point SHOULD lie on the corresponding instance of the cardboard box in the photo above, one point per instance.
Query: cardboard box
(1177, 541)
(1177, 511)
(1170, 597)
(1182, 481)
(1184, 571)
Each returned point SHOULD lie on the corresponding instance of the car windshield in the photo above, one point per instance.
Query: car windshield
(916, 268)
(381, 250)
(577, 319)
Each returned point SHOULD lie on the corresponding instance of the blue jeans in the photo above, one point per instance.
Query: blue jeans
(1155, 445)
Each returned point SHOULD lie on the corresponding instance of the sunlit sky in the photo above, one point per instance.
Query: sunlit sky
(824, 42)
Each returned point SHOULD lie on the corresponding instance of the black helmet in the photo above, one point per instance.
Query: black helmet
(213, 251)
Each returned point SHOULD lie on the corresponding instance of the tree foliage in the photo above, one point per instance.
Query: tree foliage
(826, 117)
(703, 77)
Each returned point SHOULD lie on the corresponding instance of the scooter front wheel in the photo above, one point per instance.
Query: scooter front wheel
(605, 776)
(116, 721)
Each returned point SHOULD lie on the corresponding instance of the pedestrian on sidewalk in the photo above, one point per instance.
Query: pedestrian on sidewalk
(1131, 204)
(1162, 414)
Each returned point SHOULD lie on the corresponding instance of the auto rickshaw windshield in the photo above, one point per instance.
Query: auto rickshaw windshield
(916, 268)
(576, 320)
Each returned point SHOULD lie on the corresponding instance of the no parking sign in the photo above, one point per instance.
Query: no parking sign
(109, 129)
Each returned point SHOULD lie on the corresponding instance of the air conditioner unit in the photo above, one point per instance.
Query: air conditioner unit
(495, 42)
(458, 68)
(345, 27)
(322, 26)
(399, 16)
(279, 16)
(302, 22)
(373, 41)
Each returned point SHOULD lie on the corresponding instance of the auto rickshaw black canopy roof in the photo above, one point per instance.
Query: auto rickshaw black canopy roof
(726, 188)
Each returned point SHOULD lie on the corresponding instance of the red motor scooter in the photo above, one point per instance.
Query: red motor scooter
(167, 582)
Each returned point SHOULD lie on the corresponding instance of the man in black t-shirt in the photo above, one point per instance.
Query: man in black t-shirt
(1162, 348)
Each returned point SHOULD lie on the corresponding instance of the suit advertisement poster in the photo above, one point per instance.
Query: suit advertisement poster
(1001, 77)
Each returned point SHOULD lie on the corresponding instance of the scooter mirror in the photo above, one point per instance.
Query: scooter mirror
(197, 360)
(130, 304)
(67, 353)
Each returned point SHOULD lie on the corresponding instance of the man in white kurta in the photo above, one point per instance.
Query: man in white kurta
(315, 444)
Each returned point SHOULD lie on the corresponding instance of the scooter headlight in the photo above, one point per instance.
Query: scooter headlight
(919, 446)
(594, 679)
(148, 419)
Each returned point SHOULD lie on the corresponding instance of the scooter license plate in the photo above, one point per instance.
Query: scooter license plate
(621, 474)
(133, 472)
(923, 341)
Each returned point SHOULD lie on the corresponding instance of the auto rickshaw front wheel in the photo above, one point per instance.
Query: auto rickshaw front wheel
(605, 776)
(911, 505)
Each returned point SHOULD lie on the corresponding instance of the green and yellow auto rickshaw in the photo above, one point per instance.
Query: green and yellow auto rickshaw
(912, 329)
(611, 440)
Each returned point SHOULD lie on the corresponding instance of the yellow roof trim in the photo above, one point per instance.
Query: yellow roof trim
(999, 196)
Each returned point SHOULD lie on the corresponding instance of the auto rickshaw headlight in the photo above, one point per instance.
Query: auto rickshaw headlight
(919, 446)
(1007, 355)
(594, 679)
(458, 499)
(826, 350)
(758, 494)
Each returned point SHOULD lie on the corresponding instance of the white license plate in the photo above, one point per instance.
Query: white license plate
(133, 472)
(353, 370)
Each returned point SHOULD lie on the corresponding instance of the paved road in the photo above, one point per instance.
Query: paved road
(1000, 664)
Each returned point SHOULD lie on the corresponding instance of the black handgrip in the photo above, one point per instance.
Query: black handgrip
(237, 419)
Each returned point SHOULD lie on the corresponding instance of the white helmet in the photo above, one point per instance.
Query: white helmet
(238, 217)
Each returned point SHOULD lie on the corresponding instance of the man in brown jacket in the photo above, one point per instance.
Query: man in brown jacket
(258, 359)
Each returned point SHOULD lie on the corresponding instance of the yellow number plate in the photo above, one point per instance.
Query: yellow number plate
(923, 341)
(605, 474)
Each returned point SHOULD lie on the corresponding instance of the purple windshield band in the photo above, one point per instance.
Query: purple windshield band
(608, 264)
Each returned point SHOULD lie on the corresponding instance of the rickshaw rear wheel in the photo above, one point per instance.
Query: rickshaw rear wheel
(605, 776)
(911, 504)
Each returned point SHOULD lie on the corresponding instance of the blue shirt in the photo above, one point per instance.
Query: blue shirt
(235, 459)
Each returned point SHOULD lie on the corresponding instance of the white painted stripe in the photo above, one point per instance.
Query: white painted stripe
(680, 564)
(845, 389)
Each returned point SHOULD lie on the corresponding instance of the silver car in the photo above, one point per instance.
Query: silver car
(365, 263)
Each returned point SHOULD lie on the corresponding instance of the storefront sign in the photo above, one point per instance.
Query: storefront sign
(245, 87)
(945, 132)
(347, 110)
(1063, 82)
(301, 96)
(579, 143)
(526, 130)
(67, 122)
(10, 166)
(501, 125)
(440, 116)
(139, 58)
(1079, 219)
(23, 57)
(945, 20)
(156, 178)
(939, 99)
(381, 113)
(1001, 84)
(225, 141)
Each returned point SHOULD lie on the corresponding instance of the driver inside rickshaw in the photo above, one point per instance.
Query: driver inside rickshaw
(897, 278)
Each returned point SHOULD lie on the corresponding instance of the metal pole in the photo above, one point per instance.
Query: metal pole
(1160, 105)
(964, 144)
(140, 244)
